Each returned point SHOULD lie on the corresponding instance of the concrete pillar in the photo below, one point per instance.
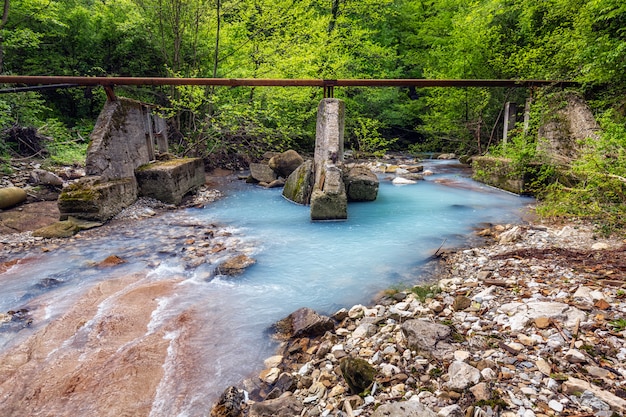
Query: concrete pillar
(161, 134)
(331, 120)
(510, 109)
(147, 118)
(328, 199)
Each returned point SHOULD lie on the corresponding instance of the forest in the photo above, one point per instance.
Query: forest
(578, 40)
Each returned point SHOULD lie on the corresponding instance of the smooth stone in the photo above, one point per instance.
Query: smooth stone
(462, 375)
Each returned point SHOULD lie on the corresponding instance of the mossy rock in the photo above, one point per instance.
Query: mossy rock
(11, 196)
(299, 184)
(65, 228)
(358, 373)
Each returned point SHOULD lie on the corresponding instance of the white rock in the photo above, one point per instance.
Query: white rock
(485, 295)
(556, 406)
(543, 366)
(488, 374)
(462, 375)
(575, 356)
(273, 361)
(600, 246)
(583, 293)
(356, 311)
(389, 370)
(521, 313)
(461, 355)
(305, 369)
(451, 411)
(402, 181)
(364, 330)
(510, 236)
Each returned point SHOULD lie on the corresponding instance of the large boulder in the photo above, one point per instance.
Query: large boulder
(118, 142)
(300, 184)
(11, 196)
(285, 163)
(427, 338)
(169, 181)
(262, 173)
(303, 322)
(361, 184)
(287, 406)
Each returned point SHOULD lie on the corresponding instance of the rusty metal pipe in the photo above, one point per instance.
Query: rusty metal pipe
(266, 82)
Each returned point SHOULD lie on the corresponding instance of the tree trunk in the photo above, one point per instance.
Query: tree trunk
(217, 39)
(5, 17)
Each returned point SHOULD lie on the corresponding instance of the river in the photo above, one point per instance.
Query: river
(164, 333)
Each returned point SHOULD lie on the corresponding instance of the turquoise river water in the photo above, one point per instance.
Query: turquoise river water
(324, 266)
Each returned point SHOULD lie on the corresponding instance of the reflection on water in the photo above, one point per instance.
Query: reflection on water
(195, 332)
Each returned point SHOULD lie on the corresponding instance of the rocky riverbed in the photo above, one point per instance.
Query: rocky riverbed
(532, 324)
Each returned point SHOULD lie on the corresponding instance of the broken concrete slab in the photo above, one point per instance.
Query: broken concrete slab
(169, 181)
(119, 140)
(96, 199)
(329, 200)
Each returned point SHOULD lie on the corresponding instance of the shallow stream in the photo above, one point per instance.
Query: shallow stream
(164, 334)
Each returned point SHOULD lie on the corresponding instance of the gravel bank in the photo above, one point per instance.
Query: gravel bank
(532, 324)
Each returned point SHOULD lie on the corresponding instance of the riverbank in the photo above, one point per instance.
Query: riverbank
(504, 310)
(532, 324)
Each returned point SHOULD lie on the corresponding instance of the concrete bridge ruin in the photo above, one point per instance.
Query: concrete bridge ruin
(122, 162)
(128, 158)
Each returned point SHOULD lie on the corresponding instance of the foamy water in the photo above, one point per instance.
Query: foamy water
(212, 331)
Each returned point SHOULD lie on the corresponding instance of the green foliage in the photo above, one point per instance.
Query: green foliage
(618, 325)
(68, 146)
(368, 138)
(519, 39)
(599, 189)
(422, 292)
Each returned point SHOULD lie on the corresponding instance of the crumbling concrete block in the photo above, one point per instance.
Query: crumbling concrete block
(169, 181)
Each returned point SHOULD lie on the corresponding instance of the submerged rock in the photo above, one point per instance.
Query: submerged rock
(236, 265)
(65, 228)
